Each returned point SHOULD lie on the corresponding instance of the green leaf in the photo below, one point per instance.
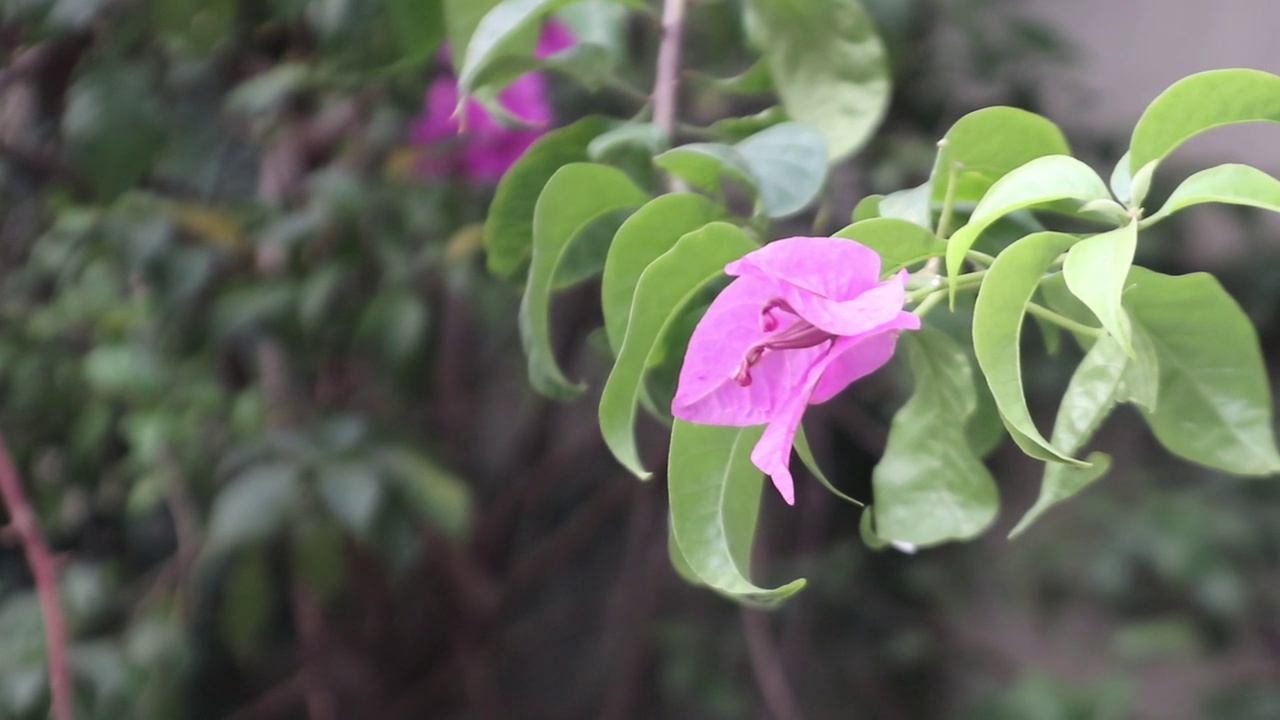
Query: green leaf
(352, 492)
(1043, 180)
(788, 164)
(1090, 396)
(715, 504)
(987, 144)
(433, 491)
(508, 230)
(703, 164)
(997, 333)
(1096, 270)
(1232, 184)
(929, 487)
(829, 67)
(115, 127)
(419, 27)
(572, 198)
(1201, 102)
(755, 80)
(245, 608)
(678, 561)
(867, 208)
(805, 453)
(912, 205)
(664, 290)
(899, 243)
(647, 234)
(1215, 401)
(509, 28)
(589, 248)
(462, 17)
(253, 506)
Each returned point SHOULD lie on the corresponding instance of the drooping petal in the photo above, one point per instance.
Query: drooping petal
(772, 453)
(706, 391)
(834, 268)
(855, 358)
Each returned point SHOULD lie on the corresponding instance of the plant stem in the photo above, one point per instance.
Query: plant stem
(1062, 321)
(963, 282)
(979, 258)
(948, 204)
(667, 78)
(930, 302)
(44, 569)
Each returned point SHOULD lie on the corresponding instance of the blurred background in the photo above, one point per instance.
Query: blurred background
(272, 410)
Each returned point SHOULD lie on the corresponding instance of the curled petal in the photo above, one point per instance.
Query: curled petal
(834, 268)
(878, 305)
(855, 358)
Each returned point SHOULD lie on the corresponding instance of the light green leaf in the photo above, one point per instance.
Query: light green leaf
(899, 243)
(989, 143)
(703, 164)
(509, 28)
(828, 64)
(867, 208)
(788, 164)
(1096, 270)
(929, 487)
(573, 197)
(1215, 401)
(1088, 400)
(1140, 383)
(1122, 179)
(508, 230)
(912, 205)
(1043, 180)
(647, 233)
(997, 333)
(1201, 102)
(352, 492)
(461, 19)
(664, 290)
(253, 506)
(715, 504)
(678, 561)
(1231, 184)
(867, 530)
(755, 80)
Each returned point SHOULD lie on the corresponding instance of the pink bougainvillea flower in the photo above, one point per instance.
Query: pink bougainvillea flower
(472, 143)
(804, 319)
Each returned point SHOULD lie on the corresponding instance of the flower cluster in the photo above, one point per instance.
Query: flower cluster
(471, 143)
(805, 318)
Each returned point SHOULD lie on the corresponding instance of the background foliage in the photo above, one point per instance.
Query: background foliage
(271, 407)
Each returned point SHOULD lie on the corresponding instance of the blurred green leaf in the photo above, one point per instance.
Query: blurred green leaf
(829, 67)
(352, 492)
(253, 506)
(114, 126)
(419, 27)
(433, 491)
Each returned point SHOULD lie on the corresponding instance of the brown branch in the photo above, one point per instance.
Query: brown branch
(44, 569)
(767, 667)
(667, 77)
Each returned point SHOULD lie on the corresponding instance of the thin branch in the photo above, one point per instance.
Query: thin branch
(667, 79)
(771, 676)
(44, 568)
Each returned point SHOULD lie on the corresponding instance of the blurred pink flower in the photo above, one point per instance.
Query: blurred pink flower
(805, 318)
(480, 148)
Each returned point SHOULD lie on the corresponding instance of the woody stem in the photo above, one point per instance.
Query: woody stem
(44, 569)
(667, 78)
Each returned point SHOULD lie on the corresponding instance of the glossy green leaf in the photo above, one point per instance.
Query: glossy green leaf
(1201, 102)
(899, 243)
(828, 64)
(664, 290)
(1215, 400)
(573, 197)
(508, 230)
(997, 333)
(788, 165)
(678, 561)
(912, 205)
(1096, 270)
(1043, 180)
(647, 234)
(1090, 397)
(715, 504)
(987, 144)
(1231, 184)
(929, 487)
(589, 248)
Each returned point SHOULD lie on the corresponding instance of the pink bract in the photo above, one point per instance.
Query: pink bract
(805, 318)
(475, 145)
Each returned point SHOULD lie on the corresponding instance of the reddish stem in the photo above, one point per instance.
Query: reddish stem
(44, 568)
(667, 76)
